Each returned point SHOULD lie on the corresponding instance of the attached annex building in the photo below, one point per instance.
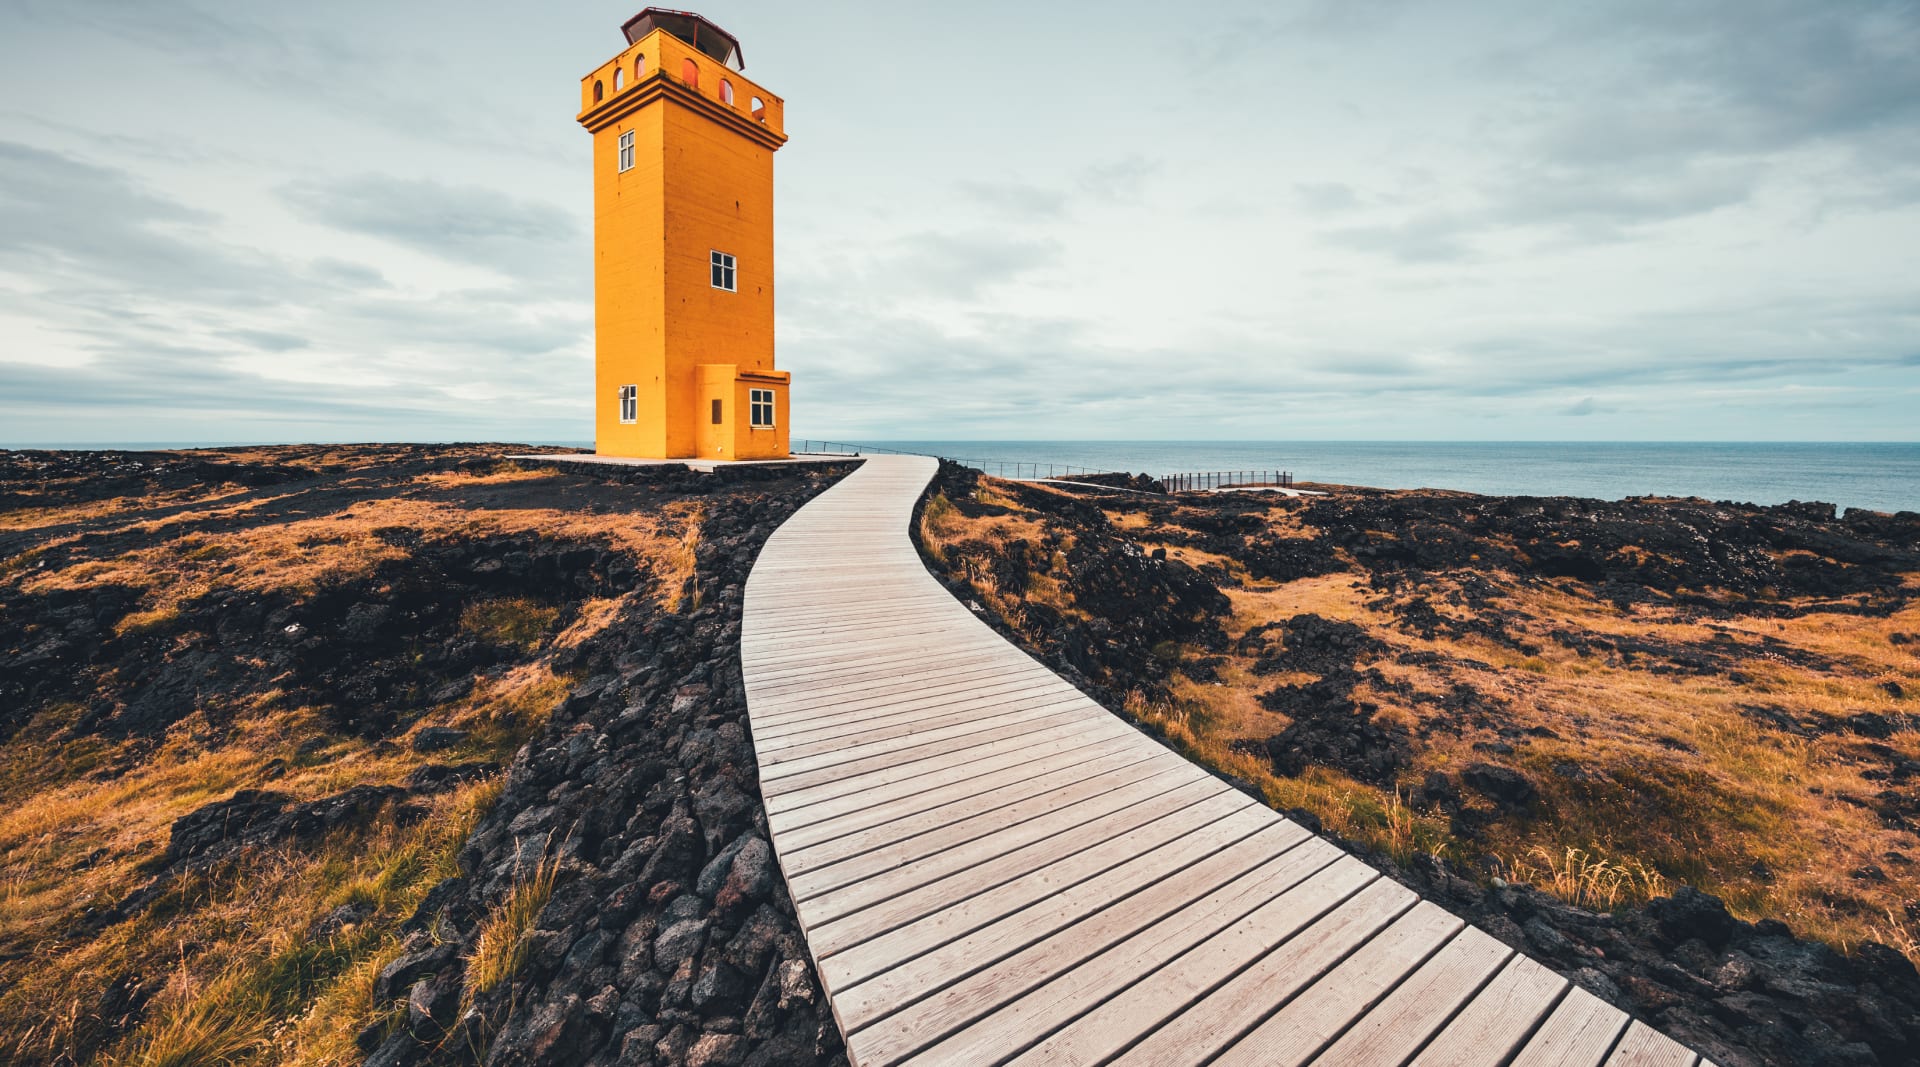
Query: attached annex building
(683, 151)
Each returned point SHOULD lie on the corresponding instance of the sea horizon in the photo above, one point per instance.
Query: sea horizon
(1876, 476)
(1873, 475)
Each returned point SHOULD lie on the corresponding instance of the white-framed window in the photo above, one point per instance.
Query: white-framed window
(723, 273)
(629, 403)
(761, 401)
(626, 151)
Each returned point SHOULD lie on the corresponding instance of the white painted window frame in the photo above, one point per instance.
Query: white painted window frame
(626, 151)
(723, 271)
(629, 404)
(756, 399)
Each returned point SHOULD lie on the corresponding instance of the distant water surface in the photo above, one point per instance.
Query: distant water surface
(1880, 477)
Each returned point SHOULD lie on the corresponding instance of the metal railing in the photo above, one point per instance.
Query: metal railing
(1019, 469)
(1205, 480)
(1031, 470)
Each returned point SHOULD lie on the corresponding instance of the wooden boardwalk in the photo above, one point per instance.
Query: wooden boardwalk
(991, 868)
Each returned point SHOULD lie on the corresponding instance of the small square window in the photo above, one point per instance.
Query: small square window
(626, 151)
(723, 272)
(629, 403)
(762, 400)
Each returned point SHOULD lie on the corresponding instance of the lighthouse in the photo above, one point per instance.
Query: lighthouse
(683, 150)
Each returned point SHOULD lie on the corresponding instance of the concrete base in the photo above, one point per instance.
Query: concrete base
(706, 466)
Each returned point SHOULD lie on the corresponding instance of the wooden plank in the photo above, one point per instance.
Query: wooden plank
(1492, 1026)
(1110, 1028)
(978, 841)
(854, 914)
(776, 692)
(865, 736)
(954, 825)
(884, 695)
(1062, 713)
(807, 612)
(1396, 1028)
(770, 617)
(1021, 999)
(847, 727)
(1643, 1046)
(903, 631)
(864, 811)
(922, 962)
(1579, 1033)
(909, 630)
(882, 699)
(803, 807)
(901, 741)
(1237, 1005)
(807, 658)
(928, 770)
(1302, 1027)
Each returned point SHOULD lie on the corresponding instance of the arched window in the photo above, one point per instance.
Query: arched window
(690, 72)
(599, 92)
(759, 109)
(639, 66)
(726, 91)
(619, 78)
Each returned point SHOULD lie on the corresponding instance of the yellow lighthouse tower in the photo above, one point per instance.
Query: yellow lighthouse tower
(683, 151)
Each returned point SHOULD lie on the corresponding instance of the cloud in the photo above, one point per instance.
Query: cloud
(1119, 179)
(465, 224)
(1433, 237)
(1016, 199)
(1742, 76)
(1734, 86)
(1366, 219)
(318, 56)
(64, 216)
(175, 328)
(1326, 196)
(954, 266)
(266, 340)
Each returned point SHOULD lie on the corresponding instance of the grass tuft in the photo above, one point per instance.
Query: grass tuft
(517, 622)
(501, 950)
(1587, 880)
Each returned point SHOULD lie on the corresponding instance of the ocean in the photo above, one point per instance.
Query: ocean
(1878, 477)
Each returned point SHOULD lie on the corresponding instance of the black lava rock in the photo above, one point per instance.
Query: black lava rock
(1506, 787)
(1689, 914)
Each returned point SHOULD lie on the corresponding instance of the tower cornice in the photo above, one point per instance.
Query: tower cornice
(661, 86)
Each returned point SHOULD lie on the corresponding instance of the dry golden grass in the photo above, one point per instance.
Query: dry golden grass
(246, 978)
(246, 971)
(1671, 781)
(500, 949)
(301, 554)
(39, 518)
(1584, 879)
(518, 622)
(940, 526)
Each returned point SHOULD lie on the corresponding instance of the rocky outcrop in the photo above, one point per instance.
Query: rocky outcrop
(256, 818)
(1739, 992)
(1132, 605)
(1694, 551)
(668, 938)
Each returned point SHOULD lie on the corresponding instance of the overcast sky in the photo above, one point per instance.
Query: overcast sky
(266, 220)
